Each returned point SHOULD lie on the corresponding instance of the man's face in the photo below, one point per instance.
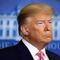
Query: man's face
(40, 28)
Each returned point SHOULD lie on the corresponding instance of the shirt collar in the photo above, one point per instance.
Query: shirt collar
(33, 50)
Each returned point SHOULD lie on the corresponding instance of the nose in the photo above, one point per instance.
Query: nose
(47, 27)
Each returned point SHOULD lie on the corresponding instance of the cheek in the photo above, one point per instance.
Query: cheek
(40, 28)
(36, 31)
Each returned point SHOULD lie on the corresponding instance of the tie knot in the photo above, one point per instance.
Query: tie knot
(41, 55)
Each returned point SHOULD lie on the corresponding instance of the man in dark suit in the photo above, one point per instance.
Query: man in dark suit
(35, 27)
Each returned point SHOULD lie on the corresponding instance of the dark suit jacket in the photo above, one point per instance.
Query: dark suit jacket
(21, 52)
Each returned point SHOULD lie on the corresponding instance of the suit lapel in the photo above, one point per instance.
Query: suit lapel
(24, 52)
(48, 54)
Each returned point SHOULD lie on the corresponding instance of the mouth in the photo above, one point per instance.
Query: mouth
(48, 34)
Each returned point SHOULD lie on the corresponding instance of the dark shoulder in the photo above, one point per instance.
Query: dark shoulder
(8, 53)
(7, 50)
(12, 49)
(52, 55)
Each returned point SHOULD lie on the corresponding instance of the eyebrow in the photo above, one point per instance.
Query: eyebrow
(43, 20)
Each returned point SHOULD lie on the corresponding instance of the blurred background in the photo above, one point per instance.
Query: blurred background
(9, 10)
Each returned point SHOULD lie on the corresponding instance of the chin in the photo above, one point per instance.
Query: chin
(48, 40)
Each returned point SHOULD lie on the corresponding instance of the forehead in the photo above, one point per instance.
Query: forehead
(39, 17)
(43, 17)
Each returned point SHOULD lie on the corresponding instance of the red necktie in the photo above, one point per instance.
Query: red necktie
(40, 55)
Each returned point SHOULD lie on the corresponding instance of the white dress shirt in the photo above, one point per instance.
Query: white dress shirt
(33, 50)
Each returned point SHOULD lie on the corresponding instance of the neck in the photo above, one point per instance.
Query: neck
(38, 45)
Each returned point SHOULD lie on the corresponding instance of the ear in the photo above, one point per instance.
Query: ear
(24, 30)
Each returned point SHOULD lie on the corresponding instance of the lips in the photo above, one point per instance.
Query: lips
(48, 33)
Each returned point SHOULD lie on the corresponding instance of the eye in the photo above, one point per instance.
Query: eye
(50, 21)
(40, 22)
